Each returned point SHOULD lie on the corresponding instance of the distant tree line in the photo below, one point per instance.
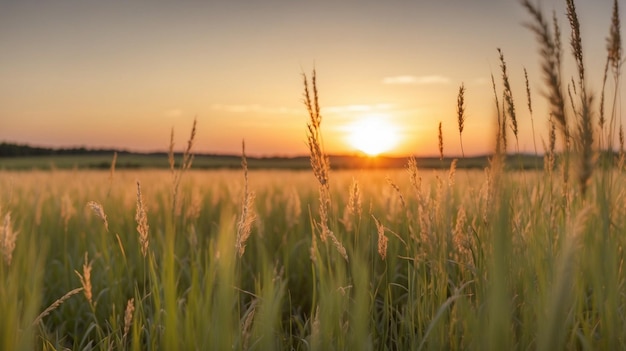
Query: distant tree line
(21, 150)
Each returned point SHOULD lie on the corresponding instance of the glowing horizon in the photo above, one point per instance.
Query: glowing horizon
(73, 79)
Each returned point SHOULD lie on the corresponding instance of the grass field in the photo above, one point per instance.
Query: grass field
(327, 259)
(464, 260)
(159, 161)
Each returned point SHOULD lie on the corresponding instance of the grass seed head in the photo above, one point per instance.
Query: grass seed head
(99, 211)
(382, 239)
(7, 239)
(128, 316)
(85, 279)
(440, 142)
(56, 305)
(142, 222)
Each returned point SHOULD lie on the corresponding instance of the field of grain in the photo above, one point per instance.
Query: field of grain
(426, 260)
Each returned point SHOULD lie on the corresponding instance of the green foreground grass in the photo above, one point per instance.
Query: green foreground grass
(473, 260)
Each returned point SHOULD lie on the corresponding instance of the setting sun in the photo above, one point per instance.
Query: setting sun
(373, 134)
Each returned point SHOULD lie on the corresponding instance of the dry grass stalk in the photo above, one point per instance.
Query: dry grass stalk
(440, 198)
(614, 41)
(246, 324)
(462, 253)
(338, 245)
(487, 192)
(576, 43)
(7, 239)
(396, 188)
(460, 114)
(550, 52)
(503, 131)
(499, 119)
(614, 60)
(353, 207)
(142, 222)
(320, 162)
(56, 305)
(440, 142)
(244, 226)
(188, 155)
(425, 221)
(414, 178)
(571, 87)
(85, 279)
(601, 118)
(416, 184)
(354, 199)
(99, 211)
(530, 109)
(584, 143)
(184, 166)
(584, 139)
(128, 316)
(549, 159)
(382, 239)
(508, 97)
(324, 206)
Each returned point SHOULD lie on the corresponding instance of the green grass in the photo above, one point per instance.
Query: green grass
(527, 268)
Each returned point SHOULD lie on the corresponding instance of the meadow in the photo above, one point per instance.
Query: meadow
(324, 259)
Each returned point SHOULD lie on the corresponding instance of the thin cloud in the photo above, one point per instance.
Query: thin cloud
(414, 80)
(173, 113)
(481, 81)
(356, 108)
(254, 108)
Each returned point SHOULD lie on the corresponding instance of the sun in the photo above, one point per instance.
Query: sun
(373, 134)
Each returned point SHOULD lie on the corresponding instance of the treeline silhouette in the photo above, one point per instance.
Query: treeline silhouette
(22, 150)
(202, 160)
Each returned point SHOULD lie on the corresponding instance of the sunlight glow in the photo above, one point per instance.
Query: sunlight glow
(373, 134)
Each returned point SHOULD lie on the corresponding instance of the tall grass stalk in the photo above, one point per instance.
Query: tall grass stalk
(185, 164)
(508, 98)
(320, 162)
(247, 217)
(550, 53)
(584, 131)
(460, 113)
(440, 138)
(530, 109)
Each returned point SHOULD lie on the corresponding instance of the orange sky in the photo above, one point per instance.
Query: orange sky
(120, 74)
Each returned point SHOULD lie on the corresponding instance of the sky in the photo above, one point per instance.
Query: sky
(122, 74)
